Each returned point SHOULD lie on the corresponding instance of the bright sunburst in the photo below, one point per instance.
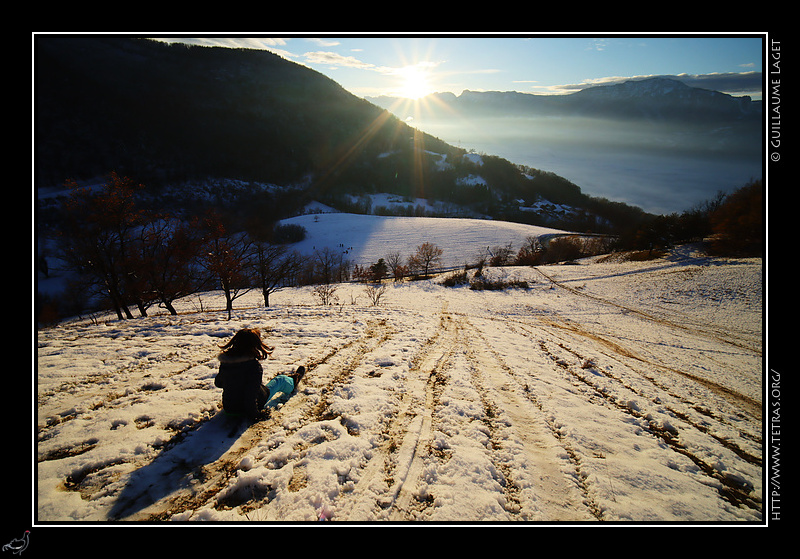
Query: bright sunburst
(415, 82)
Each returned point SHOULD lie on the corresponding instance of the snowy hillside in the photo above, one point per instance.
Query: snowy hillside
(363, 239)
(614, 391)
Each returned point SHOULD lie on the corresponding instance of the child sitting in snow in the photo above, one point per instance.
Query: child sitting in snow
(240, 375)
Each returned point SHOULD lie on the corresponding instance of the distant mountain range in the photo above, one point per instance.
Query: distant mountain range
(654, 99)
(658, 143)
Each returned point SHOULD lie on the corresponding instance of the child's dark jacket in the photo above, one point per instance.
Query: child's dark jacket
(240, 380)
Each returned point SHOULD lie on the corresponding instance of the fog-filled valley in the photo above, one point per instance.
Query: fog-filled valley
(658, 167)
(655, 143)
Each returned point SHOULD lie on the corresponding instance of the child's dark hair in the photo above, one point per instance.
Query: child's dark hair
(247, 343)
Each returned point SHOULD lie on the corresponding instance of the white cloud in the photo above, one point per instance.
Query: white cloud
(266, 43)
(336, 59)
(323, 42)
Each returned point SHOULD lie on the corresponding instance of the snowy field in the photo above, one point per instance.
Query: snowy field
(602, 392)
(363, 239)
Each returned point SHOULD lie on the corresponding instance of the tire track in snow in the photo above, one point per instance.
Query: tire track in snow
(707, 413)
(629, 360)
(735, 339)
(731, 488)
(394, 462)
(540, 440)
(513, 425)
(747, 404)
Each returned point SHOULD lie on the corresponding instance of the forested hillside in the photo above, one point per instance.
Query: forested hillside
(176, 111)
(166, 114)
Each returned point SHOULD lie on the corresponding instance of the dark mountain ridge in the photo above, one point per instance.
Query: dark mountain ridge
(184, 112)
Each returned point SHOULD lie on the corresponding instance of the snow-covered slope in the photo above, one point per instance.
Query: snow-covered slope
(614, 391)
(363, 239)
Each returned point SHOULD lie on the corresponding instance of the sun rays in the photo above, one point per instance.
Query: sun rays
(415, 81)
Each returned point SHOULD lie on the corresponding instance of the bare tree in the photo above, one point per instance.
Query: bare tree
(227, 259)
(330, 266)
(167, 253)
(395, 263)
(427, 256)
(275, 267)
(98, 230)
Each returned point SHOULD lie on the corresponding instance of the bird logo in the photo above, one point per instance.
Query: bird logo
(18, 545)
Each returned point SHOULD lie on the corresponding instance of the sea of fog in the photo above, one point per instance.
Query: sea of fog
(657, 168)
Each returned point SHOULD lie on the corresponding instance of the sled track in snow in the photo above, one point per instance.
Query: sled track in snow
(340, 362)
(512, 414)
(405, 440)
(413, 443)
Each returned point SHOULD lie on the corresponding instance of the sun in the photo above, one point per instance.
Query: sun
(415, 82)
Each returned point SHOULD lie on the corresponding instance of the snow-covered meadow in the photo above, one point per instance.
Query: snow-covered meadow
(363, 239)
(603, 391)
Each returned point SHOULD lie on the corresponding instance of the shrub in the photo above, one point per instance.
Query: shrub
(455, 279)
(289, 233)
(738, 224)
(564, 248)
(326, 293)
(484, 284)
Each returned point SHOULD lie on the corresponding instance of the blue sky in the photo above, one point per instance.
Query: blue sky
(411, 65)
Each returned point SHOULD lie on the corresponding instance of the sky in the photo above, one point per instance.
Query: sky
(415, 65)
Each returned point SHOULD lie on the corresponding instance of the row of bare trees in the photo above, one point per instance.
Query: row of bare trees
(421, 263)
(134, 257)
